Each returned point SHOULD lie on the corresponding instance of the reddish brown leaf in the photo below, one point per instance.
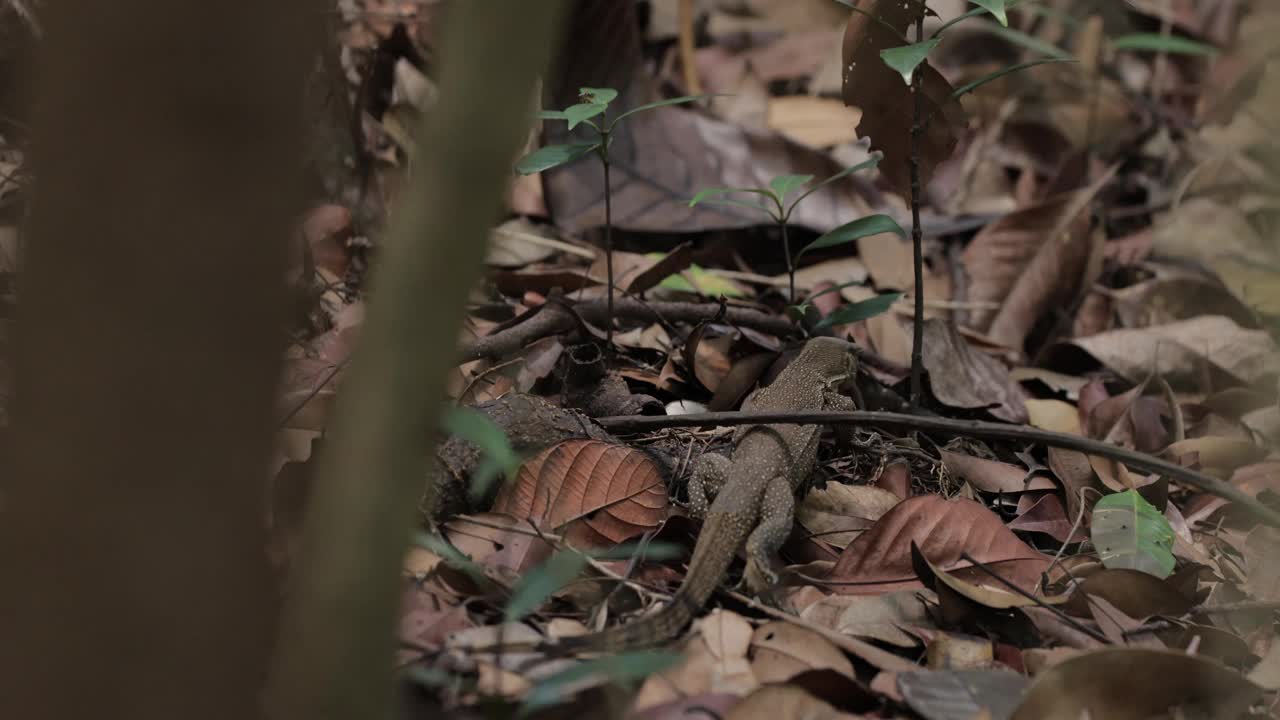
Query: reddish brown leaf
(880, 559)
(887, 102)
(993, 476)
(597, 493)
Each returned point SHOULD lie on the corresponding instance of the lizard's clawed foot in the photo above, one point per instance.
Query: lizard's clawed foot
(764, 583)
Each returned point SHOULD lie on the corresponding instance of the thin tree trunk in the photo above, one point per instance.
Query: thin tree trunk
(166, 154)
(336, 646)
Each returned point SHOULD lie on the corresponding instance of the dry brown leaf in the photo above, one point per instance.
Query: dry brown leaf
(838, 512)
(813, 121)
(1176, 294)
(886, 100)
(1183, 352)
(962, 377)
(660, 159)
(782, 650)
(1217, 456)
(1135, 684)
(497, 541)
(1134, 592)
(880, 559)
(1030, 262)
(596, 493)
(784, 701)
(878, 617)
(715, 662)
(1046, 515)
(993, 476)
(1054, 415)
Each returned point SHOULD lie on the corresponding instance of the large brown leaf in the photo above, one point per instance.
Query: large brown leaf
(880, 559)
(1029, 262)
(662, 158)
(1135, 683)
(597, 493)
(887, 102)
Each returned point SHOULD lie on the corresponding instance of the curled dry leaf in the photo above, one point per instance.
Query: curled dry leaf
(1133, 592)
(887, 102)
(783, 650)
(603, 493)
(1135, 684)
(880, 559)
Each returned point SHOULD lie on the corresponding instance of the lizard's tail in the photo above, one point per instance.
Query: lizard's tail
(716, 548)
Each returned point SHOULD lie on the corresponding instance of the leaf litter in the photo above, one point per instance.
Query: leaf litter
(1112, 290)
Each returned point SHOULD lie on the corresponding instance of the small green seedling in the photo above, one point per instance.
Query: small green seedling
(779, 210)
(592, 111)
(906, 60)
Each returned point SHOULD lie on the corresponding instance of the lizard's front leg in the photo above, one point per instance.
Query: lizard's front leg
(777, 507)
(710, 472)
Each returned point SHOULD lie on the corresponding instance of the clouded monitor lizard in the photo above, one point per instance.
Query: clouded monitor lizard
(754, 495)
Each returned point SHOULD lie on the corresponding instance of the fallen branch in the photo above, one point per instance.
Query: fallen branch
(555, 318)
(967, 428)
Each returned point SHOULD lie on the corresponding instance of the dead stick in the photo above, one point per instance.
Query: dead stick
(967, 428)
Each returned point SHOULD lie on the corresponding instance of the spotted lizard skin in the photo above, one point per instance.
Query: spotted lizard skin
(755, 501)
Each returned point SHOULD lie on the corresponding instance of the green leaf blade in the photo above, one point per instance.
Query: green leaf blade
(577, 114)
(1130, 533)
(860, 228)
(970, 87)
(535, 586)
(907, 58)
(597, 96)
(859, 311)
(784, 185)
(553, 156)
(996, 8)
(1155, 42)
(625, 667)
(682, 100)
(499, 457)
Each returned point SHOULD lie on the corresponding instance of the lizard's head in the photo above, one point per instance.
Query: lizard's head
(832, 357)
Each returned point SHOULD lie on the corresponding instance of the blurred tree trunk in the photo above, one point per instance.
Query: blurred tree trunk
(337, 640)
(165, 150)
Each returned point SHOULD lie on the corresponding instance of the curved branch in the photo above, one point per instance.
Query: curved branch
(967, 428)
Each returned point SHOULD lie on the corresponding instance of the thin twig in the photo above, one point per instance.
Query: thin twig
(965, 428)
(917, 232)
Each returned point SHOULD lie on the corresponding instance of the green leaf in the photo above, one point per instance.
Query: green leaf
(965, 89)
(1129, 532)
(873, 161)
(860, 310)
(552, 115)
(662, 103)
(783, 185)
(535, 586)
(996, 8)
(1017, 37)
(598, 96)
(576, 114)
(709, 193)
(499, 457)
(649, 551)
(1156, 42)
(860, 228)
(704, 283)
(553, 156)
(907, 58)
(835, 288)
(618, 668)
